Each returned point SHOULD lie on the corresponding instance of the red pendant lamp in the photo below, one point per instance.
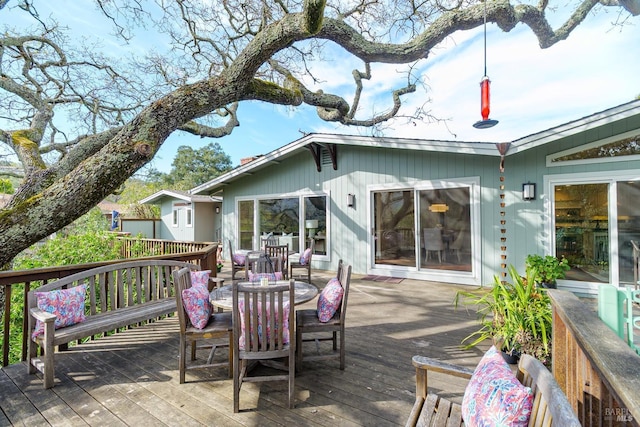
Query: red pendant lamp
(485, 83)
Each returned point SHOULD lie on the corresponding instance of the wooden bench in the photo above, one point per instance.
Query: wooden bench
(550, 405)
(118, 295)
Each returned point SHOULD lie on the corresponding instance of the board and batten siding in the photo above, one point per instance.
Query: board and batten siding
(362, 168)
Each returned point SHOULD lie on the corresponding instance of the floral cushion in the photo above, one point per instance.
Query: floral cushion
(239, 259)
(254, 277)
(200, 278)
(494, 397)
(196, 303)
(305, 257)
(285, 326)
(66, 304)
(329, 300)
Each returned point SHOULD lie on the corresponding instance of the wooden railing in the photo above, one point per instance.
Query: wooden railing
(131, 246)
(596, 369)
(203, 254)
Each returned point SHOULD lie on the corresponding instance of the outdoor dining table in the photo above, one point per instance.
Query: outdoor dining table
(223, 298)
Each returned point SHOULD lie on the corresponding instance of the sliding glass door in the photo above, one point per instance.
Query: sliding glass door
(439, 237)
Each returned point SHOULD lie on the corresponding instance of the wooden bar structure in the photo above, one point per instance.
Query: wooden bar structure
(598, 371)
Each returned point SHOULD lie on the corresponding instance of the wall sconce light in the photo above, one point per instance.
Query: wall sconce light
(217, 209)
(351, 200)
(528, 191)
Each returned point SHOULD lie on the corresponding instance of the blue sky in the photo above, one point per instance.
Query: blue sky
(532, 89)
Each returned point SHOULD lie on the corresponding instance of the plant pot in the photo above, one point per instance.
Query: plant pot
(511, 357)
(548, 285)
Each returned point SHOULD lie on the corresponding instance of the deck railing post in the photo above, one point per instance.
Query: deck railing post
(597, 370)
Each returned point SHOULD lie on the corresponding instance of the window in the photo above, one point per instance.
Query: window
(594, 222)
(174, 220)
(245, 223)
(611, 149)
(281, 216)
(427, 227)
(189, 219)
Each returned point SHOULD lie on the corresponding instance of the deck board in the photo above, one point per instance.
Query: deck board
(131, 378)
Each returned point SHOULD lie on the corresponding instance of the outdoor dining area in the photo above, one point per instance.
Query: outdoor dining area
(132, 377)
(355, 370)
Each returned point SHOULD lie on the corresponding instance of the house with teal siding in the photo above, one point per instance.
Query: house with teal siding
(187, 217)
(449, 211)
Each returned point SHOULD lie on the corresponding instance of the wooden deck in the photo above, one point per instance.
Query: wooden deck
(131, 378)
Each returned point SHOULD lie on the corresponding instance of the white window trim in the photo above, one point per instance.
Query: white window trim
(599, 177)
(466, 278)
(550, 163)
(175, 217)
(302, 232)
(188, 216)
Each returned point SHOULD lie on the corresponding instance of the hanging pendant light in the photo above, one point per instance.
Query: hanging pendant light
(485, 83)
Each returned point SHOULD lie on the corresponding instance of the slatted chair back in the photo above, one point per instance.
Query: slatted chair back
(218, 326)
(281, 251)
(261, 265)
(263, 324)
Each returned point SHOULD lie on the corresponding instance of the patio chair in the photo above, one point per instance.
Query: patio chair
(260, 265)
(281, 251)
(323, 322)
(304, 263)
(217, 326)
(268, 240)
(238, 262)
(263, 326)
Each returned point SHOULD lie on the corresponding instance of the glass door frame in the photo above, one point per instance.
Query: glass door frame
(600, 177)
(417, 271)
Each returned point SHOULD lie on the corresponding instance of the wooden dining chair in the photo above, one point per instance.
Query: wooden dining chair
(281, 251)
(216, 326)
(304, 263)
(262, 265)
(323, 321)
(238, 263)
(263, 323)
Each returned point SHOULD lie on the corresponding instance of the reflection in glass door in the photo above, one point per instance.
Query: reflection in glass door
(394, 228)
(445, 229)
(440, 238)
(582, 230)
(245, 224)
(628, 221)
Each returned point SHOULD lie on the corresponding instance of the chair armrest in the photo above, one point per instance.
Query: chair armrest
(41, 315)
(425, 364)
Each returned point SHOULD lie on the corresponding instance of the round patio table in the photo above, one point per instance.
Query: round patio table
(223, 298)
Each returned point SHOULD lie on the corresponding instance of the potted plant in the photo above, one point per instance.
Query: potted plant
(546, 270)
(516, 315)
(219, 266)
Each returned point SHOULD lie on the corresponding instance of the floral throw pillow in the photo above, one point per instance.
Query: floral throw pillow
(196, 303)
(494, 396)
(255, 277)
(329, 300)
(306, 255)
(66, 304)
(239, 260)
(261, 327)
(200, 278)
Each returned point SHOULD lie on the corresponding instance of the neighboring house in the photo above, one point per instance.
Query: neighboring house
(187, 217)
(442, 210)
